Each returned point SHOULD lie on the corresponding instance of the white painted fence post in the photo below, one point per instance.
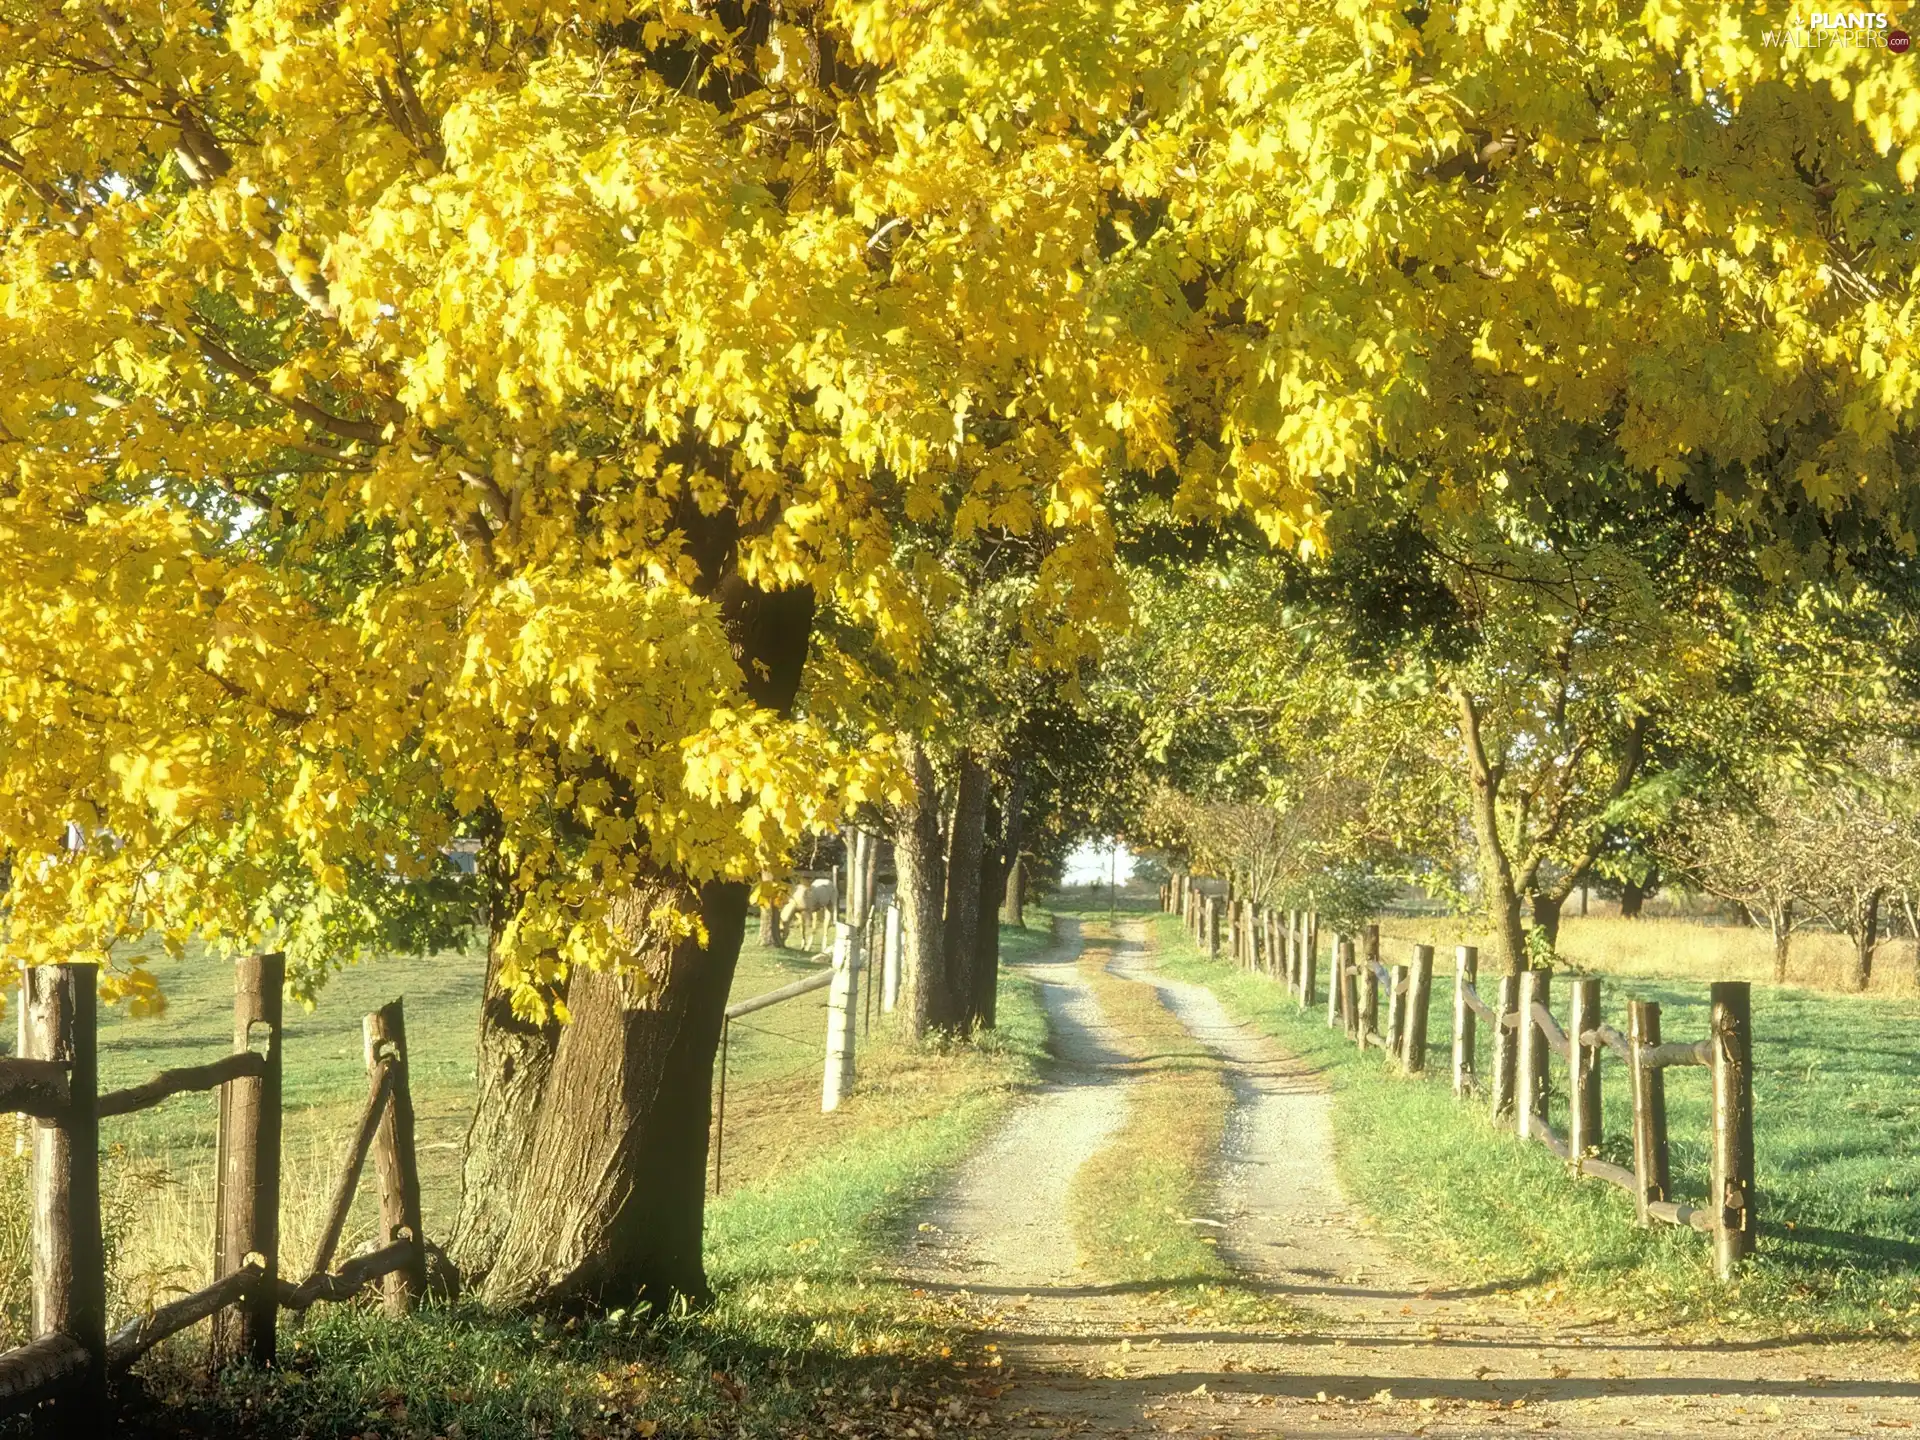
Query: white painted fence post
(841, 1012)
(890, 962)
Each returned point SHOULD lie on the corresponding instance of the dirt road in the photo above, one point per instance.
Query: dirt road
(1383, 1348)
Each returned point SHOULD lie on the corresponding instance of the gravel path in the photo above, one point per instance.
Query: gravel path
(1002, 1221)
(1383, 1350)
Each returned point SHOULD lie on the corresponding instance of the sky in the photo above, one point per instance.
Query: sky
(1087, 865)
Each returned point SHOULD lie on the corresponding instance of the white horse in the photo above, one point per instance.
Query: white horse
(813, 901)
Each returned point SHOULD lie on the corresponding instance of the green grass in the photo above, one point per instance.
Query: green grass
(1837, 1141)
(159, 1164)
(806, 1333)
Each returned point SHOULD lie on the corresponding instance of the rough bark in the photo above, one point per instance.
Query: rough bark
(586, 1159)
(772, 934)
(1865, 933)
(982, 1007)
(513, 1061)
(1013, 836)
(610, 1206)
(966, 849)
(1547, 908)
(1501, 895)
(1014, 910)
(919, 880)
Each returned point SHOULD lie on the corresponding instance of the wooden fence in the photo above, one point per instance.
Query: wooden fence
(1526, 1039)
(55, 1080)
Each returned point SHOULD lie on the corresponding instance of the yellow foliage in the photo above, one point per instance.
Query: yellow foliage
(394, 396)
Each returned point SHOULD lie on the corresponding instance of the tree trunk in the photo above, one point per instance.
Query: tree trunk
(1012, 902)
(1866, 935)
(513, 1059)
(965, 851)
(771, 935)
(1633, 896)
(586, 1163)
(1546, 915)
(986, 944)
(1014, 909)
(1498, 892)
(1780, 920)
(610, 1209)
(1002, 832)
(916, 860)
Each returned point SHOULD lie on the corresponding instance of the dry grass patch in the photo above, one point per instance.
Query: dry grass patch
(1135, 1206)
(1672, 948)
(1134, 1203)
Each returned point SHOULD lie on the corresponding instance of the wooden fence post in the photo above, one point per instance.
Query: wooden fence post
(1530, 1103)
(1466, 974)
(890, 962)
(838, 1080)
(1369, 1003)
(1213, 927)
(1396, 1010)
(394, 1159)
(1349, 983)
(1730, 1038)
(247, 1189)
(1334, 985)
(68, 1253)
(1652, 1176)
(1308, 963)
(1413, 1054)
(1583, 1072)
(1506, 1045)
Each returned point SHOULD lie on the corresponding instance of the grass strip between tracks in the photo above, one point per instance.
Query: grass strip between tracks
(1143, 1208)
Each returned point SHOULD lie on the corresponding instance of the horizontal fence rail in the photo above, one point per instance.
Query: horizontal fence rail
(1526, 1043)
(72, 1356)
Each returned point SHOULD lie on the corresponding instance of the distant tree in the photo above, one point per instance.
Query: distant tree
(1755, 856)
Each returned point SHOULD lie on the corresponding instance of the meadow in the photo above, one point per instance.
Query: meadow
(1837, 1135)
(801, 1194)
(1678, 947)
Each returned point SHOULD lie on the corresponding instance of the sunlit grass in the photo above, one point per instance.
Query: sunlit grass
(1837, 1112)
(1674, 948)
(806, 1331)
(1132, 1204)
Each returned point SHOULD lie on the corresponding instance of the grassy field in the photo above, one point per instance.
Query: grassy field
(808, 1201)
(1837, 1135)
(1673, 948)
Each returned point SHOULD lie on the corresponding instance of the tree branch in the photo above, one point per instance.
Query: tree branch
(362, 430)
